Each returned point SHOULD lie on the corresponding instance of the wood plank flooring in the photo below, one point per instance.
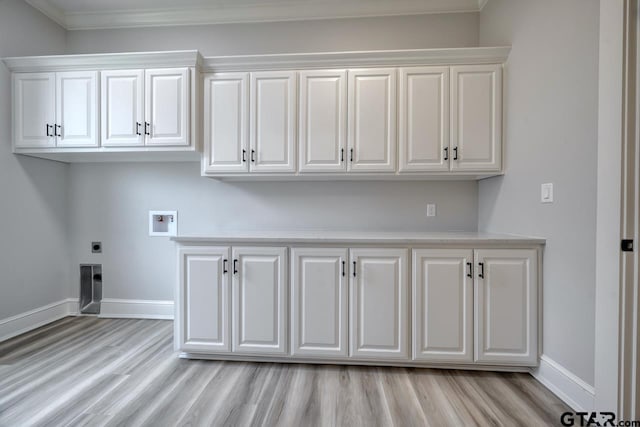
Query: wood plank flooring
(85, 371)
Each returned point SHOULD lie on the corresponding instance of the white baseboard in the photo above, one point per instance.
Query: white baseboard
(136, 309)
(32, 319)
(579, 395)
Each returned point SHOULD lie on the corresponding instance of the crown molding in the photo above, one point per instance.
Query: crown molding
(105, 61)
(394, 58)
(259, 12)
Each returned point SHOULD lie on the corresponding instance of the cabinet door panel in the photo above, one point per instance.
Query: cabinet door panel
(225, 122)
(424, 119)
(379, 303)
(372, 120)
(260, 301)
(204, 300)
(476, 118)
(122, 107)
(77, 109)
(273, 115)
(319, 302)
(506, 306)
(323, 108)
(442, 305)
(34, 108)
(167, 106)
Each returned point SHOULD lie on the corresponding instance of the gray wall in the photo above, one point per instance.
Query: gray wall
(110, 202)
(33, 213)
(551, 135)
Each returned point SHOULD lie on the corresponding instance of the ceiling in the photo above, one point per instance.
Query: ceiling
(93, 14)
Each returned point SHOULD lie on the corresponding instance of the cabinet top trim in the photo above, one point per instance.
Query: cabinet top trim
(104, 61)
(192, 58)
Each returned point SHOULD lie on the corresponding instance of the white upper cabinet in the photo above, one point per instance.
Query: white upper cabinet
(379, 303)
(372, 120)
(319, 302)
(442, 305)
(506, 306)
(121, 109)
(204, 302)
(77, 109)
(424, 119)
(476, 118)
(259, 300)
(323, 114)
(34, 110)
(167, 107)
(226, 125)
(273, 121)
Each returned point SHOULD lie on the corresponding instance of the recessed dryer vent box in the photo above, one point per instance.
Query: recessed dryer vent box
(163, 223)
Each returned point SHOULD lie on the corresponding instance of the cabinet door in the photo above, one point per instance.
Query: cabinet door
(204, 300)
(273, 121)
(323, 109)
(443, 305)
(476, 118)
(506, 306)
(226, 110)
(372, 120)
(166, 106)
(259, 300)
(77, 109)
(378, 304)
(121, 109)
(34, 109)
(424, 119)
(319, 302)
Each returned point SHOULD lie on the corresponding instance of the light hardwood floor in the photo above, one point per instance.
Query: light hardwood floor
(89, 371)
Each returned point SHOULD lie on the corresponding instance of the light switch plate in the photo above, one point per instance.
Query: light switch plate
(546, 193)
(431, 209)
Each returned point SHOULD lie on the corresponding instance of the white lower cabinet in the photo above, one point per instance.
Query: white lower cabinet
(379, 303)
(442, 305)
(259, 300)
(506, 299)
(319, 302)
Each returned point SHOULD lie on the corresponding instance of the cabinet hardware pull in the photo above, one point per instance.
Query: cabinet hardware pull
(354, 269)
(470, 272)
(147, 125)
(342, 154)
(253, 156)
(446, 153)
(138, 124)
(481, 273)
(455, 153)
(225, 270)
(235, 266)
(244, 156)
(48, 126)
(343, 269)
(352, 155)
(56, 130)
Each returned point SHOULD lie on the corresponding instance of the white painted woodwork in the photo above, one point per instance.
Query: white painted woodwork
(205, 300)
(166, 107)
(226, 111)
(121, 102)
(260, 313)
(423, 111)
(273, 121)
(322, 123)
(319, 322)
(372, 120)
(77, 109)
(506, 306)
(476, 117)
(378, 325)
(442, 295)
(33, 109)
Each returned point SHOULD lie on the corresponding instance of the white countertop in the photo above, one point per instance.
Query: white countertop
(358, 237)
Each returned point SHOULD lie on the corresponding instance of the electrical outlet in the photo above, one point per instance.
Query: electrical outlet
(431, 209)
(546, 193)
(96, 247)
